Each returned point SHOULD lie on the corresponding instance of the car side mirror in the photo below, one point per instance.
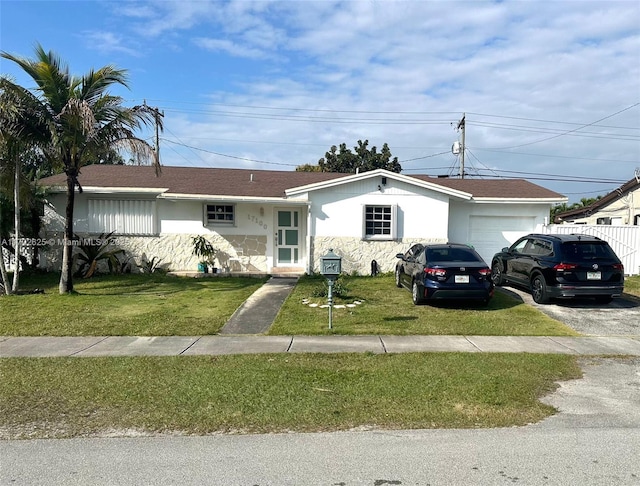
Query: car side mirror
(400, 256)
(505, 249)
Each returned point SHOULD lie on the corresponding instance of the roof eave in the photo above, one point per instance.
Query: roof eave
(521, 200)
(221, 197)
(378, 173)
(112, 190)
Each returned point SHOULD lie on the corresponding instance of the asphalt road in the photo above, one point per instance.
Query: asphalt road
(524, 456)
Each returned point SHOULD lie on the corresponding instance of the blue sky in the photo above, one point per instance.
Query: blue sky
(551, 90)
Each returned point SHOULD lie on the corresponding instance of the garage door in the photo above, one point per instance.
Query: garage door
(489, 234)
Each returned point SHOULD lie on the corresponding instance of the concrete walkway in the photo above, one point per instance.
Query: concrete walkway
(219, 345)
(258, 312)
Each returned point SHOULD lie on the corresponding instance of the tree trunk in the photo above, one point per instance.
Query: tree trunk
(66, 282)
(16, 245)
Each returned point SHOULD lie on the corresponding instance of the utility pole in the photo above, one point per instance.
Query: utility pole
(461, 126)
(157, 114)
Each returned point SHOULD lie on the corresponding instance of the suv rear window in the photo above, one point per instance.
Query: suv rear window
(586, 251)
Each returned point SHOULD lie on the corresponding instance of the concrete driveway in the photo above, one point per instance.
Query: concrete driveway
(609, 392)
(619, 318)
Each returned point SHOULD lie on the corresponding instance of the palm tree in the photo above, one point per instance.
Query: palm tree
(80, 120)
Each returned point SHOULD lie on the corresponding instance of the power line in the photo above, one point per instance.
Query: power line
(550, 121)
(229, 156)
(556, 156)
(496, 172)
(573, 130)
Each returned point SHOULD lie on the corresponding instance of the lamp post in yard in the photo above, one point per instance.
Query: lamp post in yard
(331, 267)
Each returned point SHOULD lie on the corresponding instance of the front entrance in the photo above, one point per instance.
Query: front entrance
(288, 238)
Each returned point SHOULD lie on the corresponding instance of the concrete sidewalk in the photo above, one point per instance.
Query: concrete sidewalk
(220, 345)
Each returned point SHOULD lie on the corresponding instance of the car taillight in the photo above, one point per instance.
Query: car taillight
(485, 272)
(619, 266)
(561, 267)
(435, 272)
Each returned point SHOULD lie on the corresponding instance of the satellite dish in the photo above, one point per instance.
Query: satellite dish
(455, 148)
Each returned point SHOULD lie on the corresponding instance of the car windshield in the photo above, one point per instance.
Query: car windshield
(587, 251)
(451, 255)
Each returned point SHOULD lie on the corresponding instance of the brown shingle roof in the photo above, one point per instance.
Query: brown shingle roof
(268, 183)
(498, 188)
(196, 180)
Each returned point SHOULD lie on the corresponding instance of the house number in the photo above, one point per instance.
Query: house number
(257, 221)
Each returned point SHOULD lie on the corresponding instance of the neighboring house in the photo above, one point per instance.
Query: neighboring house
(619, 207)
(270, 221)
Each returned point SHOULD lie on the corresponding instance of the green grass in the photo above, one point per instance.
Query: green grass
(386, 309)
(632, 285)
(71, 397)
(142, 305)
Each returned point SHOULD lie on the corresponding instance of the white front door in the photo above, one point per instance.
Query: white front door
(288, 238)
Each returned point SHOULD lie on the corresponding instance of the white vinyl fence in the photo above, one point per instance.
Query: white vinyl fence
(625, 240)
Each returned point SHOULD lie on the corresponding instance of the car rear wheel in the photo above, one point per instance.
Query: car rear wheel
(496, 274)
(416, 293)
(398, 284)
(539, 290)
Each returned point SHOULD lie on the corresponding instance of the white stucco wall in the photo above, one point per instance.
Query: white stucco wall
(337, 211)
(503, 224)
(337, 222)
(177, 221)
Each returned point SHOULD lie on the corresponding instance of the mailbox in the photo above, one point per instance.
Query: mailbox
(331, 265)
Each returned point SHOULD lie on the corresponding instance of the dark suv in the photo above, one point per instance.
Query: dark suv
(560, 266)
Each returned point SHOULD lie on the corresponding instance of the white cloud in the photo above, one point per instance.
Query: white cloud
(567, 62)
(108, 42)
(229, 47)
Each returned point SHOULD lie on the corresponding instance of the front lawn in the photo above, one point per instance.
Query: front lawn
(632, 285)
(386, 309)
(74, 397)
(124, 305)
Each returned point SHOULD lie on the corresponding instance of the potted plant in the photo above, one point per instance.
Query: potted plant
(204, 250)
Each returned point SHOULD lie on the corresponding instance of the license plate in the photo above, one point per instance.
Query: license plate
(461, 279)
(594, 275)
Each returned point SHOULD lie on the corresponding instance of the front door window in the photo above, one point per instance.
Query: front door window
(288, 238)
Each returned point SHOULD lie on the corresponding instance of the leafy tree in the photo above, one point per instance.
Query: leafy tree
(309, 168)
(78, 120)
(561, 208)
(19, 138)
(362, 159)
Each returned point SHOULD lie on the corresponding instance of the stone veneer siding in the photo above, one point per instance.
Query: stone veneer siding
(174, 250)
(357, 253)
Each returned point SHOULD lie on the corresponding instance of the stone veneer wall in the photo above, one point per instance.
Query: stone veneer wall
(357, 253)
(174, 250)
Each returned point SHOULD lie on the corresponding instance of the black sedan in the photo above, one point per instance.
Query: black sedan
(444, 271)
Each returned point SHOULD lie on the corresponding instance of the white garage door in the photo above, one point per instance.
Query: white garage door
(489, 234)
